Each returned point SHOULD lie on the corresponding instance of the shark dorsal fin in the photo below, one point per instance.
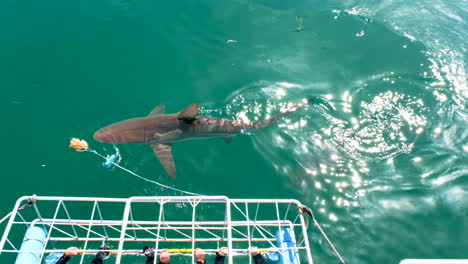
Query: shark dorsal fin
(158, 110)
(189, 113)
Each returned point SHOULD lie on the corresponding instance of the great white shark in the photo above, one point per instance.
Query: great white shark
(160, 130)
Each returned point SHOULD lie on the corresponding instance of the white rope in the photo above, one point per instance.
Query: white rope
(143, 178)
(5, 217)
(254, 225)
(31, 201)
(11, 244)
(100, 216)
(325, 236)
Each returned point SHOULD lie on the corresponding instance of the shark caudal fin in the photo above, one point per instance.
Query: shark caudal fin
(164, 154)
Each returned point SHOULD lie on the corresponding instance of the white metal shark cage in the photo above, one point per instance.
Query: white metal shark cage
(179, 224)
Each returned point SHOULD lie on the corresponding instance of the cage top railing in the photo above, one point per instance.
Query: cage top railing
(180, 222)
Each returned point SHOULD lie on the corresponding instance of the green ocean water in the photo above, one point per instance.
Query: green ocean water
(386, 171)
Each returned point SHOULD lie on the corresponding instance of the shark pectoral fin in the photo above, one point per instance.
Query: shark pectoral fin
(158, 110)
(168, 136)
(227, 139)
(163, 153)
(189, 113)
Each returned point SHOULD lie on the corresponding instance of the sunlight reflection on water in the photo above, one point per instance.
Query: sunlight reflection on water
(331, 151)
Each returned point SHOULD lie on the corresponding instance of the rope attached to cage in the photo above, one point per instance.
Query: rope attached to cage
(306, 210)
(31, 201)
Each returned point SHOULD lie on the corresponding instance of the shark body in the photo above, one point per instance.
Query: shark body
(160, 130)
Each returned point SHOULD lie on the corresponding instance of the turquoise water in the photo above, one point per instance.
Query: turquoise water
(386, 172)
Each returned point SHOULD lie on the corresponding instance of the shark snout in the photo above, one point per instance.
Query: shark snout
(103, 136)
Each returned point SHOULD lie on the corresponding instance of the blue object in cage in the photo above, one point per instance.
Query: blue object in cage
(32, 246)
(52, 258)
(286, 243)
